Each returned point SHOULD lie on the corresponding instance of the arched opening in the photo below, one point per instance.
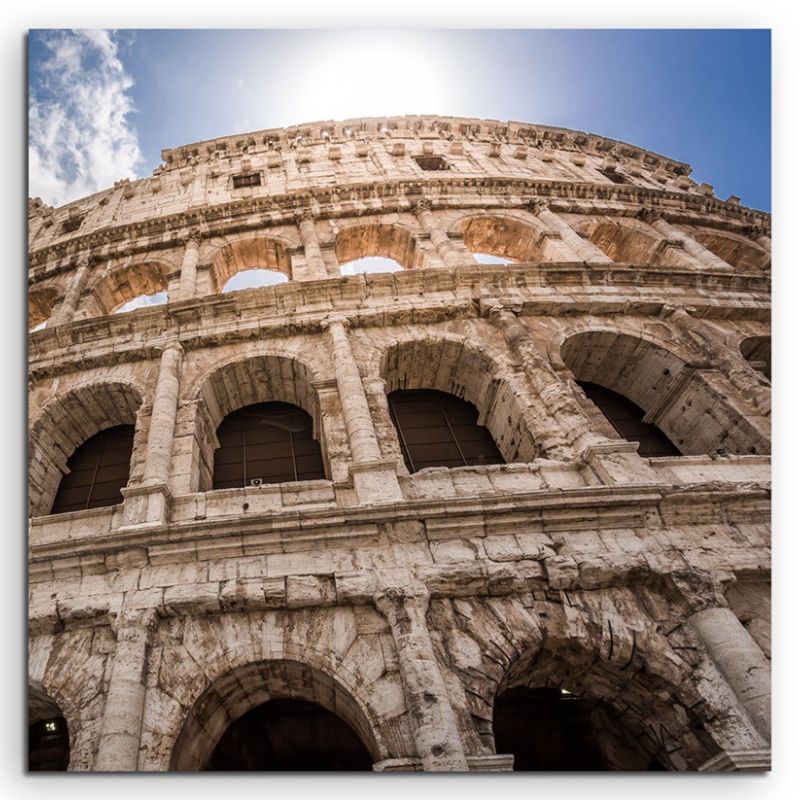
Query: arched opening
(67, 423)
(96, 472)
(552, 729)
(676, 399)
(275, 715)
(635, 244)
(737, 251)
(259, 257)
(266, 443)
(143, 301)
(454, 367)
(363, 243)
(370, 265)
(48, 735)
(246, 405)
(40, 306)
(757, 350)
(289, 735)
(437, 429)
(252, 279)
(628, 421)
(506, 239)
(129, 288)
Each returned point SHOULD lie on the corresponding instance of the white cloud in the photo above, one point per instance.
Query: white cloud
(80, 137)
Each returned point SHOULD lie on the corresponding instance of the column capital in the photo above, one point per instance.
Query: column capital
(422, 205)
(333, 320)
(756, 231)
(648, 214)
(538, 204)
(305, 215)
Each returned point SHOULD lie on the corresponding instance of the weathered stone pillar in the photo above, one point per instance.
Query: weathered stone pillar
(761, 237)
(739, 659)
(436, 734)
(582, 248)
(439, 239)
(188, 283)
(375, 478)
(69, 305)
(565, 425)
(690, 245)
(743, 377)
(313, 253)
(124, 709)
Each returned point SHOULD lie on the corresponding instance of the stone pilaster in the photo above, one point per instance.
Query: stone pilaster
(313, 253)
(699, 253)
(69, 305)
(580, 248)
(124, 709)
(375, 479)
(740, 660)
(188, 282)
(439, 239)
(436, 735)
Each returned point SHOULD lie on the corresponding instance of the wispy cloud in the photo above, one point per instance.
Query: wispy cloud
(81, 139)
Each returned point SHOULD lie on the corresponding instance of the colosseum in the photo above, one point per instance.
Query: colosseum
(524, 523)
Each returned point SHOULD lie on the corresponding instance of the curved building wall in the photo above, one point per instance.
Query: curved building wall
(406, 602)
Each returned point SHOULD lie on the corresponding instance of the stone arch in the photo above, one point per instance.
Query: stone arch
(43, 707)
(233, 384)
(249, 252)
(244, 687)
(451, 364)
(41, 302)
(505, 236)
(676, 398)
(633, 242)
(364, 239)
(67, 422)
(119, 285)
(736, 250)
(757, 351)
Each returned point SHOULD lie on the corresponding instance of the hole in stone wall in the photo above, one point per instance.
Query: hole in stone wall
(48, 745)
(253, 278)
(431, 163)
(143, 301)
(370, 265)
(488, 258)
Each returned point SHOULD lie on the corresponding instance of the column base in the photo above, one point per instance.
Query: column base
(739, 761)
(376, 482)
(145, 506)
(491, 763)
(616, 462)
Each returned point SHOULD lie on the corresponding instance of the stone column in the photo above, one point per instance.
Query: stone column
(375, 478)
(436, 734)
(439, 239)
(739, 659)
(162, 418)
(582, 248)
(570, 426)
(731, 364)
(124, 709)
(69, 305)
(188, 284)
(314, 260)
(761, 237)
(690, 245)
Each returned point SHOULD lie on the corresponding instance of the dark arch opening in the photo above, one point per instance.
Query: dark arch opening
(757, 350)
(266, 443)
(549, 729)
(97, 471)
(48, 734)
(289, 735)
(628, 420)
(437, 429)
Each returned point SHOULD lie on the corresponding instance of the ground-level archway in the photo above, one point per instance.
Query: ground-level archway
(246, 719)
(48, 734)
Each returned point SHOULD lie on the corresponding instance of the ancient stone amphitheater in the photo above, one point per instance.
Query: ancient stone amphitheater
(505, 506)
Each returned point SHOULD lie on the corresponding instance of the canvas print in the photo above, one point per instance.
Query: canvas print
(399, 401)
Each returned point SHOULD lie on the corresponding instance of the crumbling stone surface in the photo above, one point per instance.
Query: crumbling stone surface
(406, 602)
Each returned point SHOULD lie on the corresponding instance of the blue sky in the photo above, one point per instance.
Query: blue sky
(103, 104)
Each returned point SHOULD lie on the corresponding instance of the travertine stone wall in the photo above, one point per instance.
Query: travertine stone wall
(405, 603)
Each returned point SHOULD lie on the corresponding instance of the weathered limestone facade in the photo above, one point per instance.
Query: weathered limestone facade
(406, 603)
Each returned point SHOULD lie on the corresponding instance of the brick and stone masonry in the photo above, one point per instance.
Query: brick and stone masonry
(406, 603)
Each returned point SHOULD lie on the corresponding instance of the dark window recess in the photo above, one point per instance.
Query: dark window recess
(266, 443)
(438, 430)
(71, 224)
(431, 163)
(613, 175)
(627, 418)
(241, 181)
(98, 470)
(48, 745)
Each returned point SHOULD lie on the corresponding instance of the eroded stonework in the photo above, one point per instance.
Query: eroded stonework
(406, 603)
